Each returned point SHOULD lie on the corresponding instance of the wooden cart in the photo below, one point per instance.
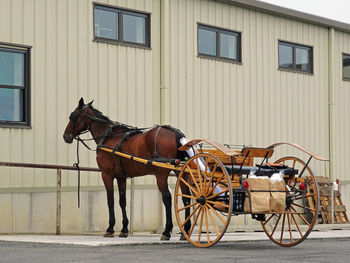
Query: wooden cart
(218, 179)
(217, 182)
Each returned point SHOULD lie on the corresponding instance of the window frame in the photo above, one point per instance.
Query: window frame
(26, 50)
(342, 65)
(294, 68)
(218, 31)
(121, 11)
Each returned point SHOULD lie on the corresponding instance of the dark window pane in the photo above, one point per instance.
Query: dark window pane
(285, 54)
(134, 29)
(228, 46)
(11, 68)
(302, 56)
(106, 24)
(206, 42)
(11, 105)
(346, 66)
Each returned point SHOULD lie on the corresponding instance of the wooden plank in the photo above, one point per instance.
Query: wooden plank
(337, 208)
(257, 152)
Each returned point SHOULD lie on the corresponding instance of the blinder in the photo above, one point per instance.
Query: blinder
(74, 116)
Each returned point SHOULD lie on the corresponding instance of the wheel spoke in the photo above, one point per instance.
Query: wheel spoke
(211, 179)
(306, 196)
(217, 182)
(206, 222)
(266, 221)
(188, 196)
(199, 172)
(212, 221)
(216, 213)
(302, 218)
(218, 203)
(217, 194)
(274, 229)
(187, 206)
(188, 218)
(194, 179)
(194, 223)
(308, 208)
(290, 228)
(282, 230)
(200, 226)
(189, 186)
(297, 225)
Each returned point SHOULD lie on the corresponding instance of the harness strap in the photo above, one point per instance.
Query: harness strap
(155, 153)
(108, 132)
(118, 148)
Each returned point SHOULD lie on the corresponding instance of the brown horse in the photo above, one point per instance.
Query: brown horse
(160, 141)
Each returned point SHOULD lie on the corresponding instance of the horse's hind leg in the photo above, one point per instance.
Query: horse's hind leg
(108, 182)
(162, 182)
(122, 202)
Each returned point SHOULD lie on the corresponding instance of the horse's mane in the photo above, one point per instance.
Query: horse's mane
(100, 115)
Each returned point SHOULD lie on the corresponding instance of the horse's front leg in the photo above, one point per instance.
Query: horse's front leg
(162, 182)
(108, 182)
(122, 202)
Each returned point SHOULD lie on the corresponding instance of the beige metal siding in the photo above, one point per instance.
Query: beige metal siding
(341, 116)
(253, 102)
(67, 64)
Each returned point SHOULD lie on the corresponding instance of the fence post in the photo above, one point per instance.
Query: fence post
(58, 203)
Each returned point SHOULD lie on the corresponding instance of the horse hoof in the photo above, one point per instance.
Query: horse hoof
(182, 237)
(107, 234)
(164, 237)
(123, 234)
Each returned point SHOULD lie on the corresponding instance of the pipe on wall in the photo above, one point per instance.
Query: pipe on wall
(331, 101)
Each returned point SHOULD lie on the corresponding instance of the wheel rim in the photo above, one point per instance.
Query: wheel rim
(209, 196)
(292, 227)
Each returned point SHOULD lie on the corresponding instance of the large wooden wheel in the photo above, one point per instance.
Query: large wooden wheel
(291, 227)
(203, 207)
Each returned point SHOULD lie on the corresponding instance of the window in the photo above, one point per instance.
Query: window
(14, 86)
(219, 43)
(121, 26)
(294, 57)
(346, 66)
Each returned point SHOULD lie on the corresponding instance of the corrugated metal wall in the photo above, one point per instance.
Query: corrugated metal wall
(341, 96)
(68, 64)
(248, 103)
(253, 102)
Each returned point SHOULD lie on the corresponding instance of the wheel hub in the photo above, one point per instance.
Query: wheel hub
(201, 200)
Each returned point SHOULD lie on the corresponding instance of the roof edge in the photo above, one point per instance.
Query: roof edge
(291, 13)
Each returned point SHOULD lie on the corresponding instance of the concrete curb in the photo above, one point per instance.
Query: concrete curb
(243, 234)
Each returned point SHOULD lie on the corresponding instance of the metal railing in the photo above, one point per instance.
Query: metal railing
(59, 169)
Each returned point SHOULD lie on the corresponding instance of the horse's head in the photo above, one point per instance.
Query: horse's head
(79, 121)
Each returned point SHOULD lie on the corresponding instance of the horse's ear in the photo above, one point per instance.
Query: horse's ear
(81, 103)
(90, 103)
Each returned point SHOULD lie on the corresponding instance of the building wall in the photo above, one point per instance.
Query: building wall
(251, 103)
(341, 124)
(67, 64)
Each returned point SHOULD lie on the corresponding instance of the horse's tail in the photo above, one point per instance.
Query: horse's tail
(178, 135)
